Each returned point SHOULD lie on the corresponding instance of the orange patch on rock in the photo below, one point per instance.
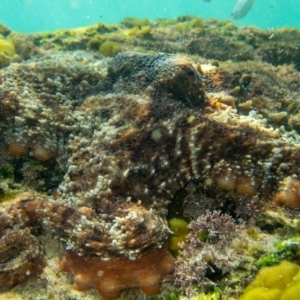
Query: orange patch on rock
(216, 104)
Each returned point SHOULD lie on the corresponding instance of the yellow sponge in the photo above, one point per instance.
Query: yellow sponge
(280, 282)
(180, 230)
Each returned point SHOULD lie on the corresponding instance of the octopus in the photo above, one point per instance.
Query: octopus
(128, 132)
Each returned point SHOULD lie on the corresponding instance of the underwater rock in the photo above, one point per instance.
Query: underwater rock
(128, 132)
(221, 48)
(211, 38)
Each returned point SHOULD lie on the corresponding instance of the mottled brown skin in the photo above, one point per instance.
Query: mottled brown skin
(21, 257)
(127, 145)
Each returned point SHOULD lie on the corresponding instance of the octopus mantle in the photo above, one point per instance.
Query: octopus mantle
(128, 132)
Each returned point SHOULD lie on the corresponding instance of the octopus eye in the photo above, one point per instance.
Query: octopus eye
(190, 73)
(190, 76)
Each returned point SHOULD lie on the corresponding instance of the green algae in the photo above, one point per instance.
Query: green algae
(7, 47)
(169, 295)
(95, 42)
(6, 172)
(7, 53)
(283, 250)
(215, 295)
(110, 48)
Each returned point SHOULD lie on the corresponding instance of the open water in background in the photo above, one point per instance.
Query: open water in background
(46, 15)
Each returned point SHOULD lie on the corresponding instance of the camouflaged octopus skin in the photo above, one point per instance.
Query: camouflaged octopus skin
(128, 132)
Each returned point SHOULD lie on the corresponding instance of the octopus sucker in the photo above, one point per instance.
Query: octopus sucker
(147, 272)
(127, 139)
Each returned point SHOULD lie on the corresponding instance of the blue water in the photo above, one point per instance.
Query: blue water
(41, 15)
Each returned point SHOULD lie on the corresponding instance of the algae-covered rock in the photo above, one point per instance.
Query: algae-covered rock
(7, 53)
(4, 60)
(135, 22)
(4, 30)
(95, 42)
(7, 47)
(220, 48)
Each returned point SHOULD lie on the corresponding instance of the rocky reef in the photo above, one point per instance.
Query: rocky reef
(98, 152)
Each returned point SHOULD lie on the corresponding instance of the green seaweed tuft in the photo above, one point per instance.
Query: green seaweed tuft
(110, 48)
